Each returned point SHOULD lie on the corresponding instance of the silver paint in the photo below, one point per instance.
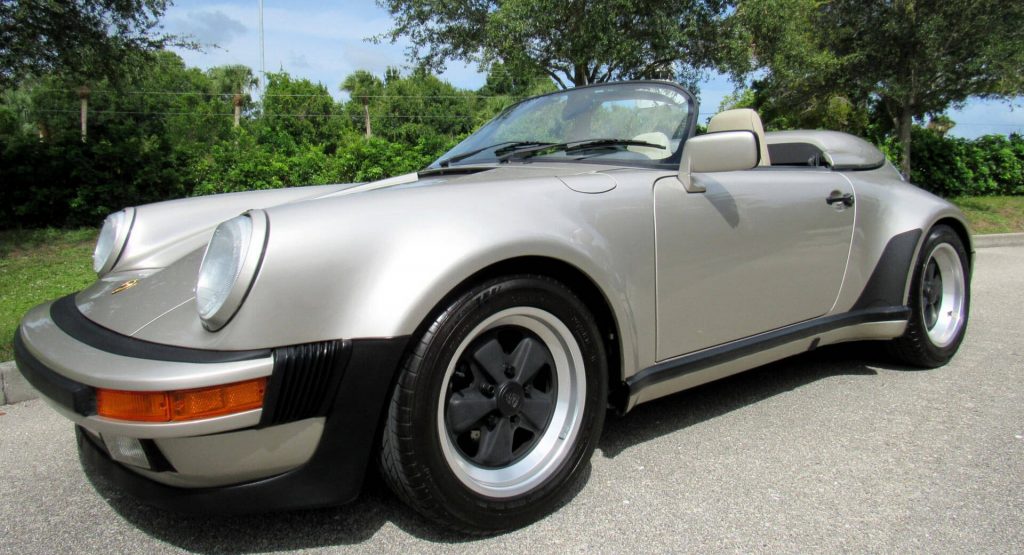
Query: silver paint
(88, 365)
(752, 253)
(230, 458)
(351, 280)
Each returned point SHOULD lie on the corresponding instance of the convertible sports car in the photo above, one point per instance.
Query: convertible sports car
(468, 326)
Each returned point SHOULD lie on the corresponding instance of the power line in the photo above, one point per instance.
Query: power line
(265, 115)
(200, 93)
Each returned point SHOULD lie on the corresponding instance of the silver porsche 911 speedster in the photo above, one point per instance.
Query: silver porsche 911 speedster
(468, 326)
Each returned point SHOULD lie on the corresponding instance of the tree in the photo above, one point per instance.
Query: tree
(575, 42)
(903, 59)
(297, 111)
(236, 81)
(88, 39)
(362, 86)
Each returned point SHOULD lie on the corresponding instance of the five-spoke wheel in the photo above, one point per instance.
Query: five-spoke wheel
(939, 301)
(498, 406)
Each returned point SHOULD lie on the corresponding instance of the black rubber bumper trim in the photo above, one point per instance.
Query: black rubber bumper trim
(714, 356)
(69, 394)
(68, 318)
(334, 475)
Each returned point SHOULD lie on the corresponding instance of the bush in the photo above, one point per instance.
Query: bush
(949, 166)
(65, 182)
(244, 163)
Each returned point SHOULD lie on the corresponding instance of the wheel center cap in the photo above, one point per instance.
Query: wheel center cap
(510, 398)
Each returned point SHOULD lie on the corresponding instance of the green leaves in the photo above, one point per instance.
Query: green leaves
(84, 39)
(986, 166)
(575, 42)
(842, 63)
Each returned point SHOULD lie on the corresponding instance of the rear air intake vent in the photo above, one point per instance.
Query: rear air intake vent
(305, 381)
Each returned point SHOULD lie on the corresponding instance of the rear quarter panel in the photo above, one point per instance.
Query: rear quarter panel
(887, 206)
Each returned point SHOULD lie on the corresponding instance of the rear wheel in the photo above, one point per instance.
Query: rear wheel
(940, 298)
(498, 406)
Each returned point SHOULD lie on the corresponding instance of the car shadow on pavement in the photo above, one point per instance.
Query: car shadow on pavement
(377, 507)
(691, 407)
(351, 524)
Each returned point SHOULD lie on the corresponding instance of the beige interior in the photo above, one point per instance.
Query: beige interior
(742, 119)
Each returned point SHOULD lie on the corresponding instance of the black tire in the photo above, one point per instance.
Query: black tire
(939, 309)
(428, 455)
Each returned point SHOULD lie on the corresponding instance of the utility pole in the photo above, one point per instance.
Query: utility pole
(83, 96)
(263, 67)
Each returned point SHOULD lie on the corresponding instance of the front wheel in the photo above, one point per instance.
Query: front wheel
(498, 407)
(940, 300)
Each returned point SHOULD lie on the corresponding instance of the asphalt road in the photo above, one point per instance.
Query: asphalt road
(838, 450)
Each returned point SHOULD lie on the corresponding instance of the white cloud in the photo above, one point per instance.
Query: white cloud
(208, 27)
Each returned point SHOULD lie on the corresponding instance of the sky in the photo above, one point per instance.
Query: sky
(325, 41)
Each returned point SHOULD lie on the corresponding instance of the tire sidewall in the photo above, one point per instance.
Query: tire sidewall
(466, 313)
(934, 354)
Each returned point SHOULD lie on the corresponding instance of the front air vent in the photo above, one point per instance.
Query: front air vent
(305, 381)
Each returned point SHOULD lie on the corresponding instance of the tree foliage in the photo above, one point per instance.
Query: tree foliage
(575, 42)
(895, 60)
(364, 88)
(166, 131)
(161, 130)
(952, 167)
(86, 39)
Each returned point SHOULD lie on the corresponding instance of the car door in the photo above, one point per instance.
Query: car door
(759, 250)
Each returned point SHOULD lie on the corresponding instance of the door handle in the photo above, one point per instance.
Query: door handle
(837, 196)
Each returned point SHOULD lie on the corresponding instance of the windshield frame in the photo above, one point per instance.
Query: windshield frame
(693, 107)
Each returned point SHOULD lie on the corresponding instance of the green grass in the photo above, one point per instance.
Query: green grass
(44, 264)
(36, 266)
(993, 214)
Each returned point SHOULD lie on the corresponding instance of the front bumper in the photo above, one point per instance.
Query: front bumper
(308, 446)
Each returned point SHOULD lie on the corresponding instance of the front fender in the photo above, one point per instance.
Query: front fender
(164, 232)
(375, 264)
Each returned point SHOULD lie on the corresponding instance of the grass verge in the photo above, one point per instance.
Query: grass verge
(39, 265)
(43, 264)
(993, 214)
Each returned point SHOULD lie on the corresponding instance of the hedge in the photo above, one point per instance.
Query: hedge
(954, 167)
(64, 182)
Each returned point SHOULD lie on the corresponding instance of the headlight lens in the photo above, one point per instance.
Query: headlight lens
(228, 268)
(113, 236)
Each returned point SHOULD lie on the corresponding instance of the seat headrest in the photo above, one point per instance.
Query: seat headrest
(741, 119)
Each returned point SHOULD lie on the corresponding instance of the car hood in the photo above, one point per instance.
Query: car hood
(129, 300)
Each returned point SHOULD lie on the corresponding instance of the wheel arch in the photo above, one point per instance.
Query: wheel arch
(960, 228)
(965, 236)
(578, 281)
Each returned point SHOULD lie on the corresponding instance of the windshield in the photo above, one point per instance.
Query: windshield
(630, 122)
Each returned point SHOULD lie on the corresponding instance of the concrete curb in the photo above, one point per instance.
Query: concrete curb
(998, 240)
(14, 388)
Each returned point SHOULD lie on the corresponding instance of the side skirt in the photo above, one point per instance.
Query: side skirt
(711, 364)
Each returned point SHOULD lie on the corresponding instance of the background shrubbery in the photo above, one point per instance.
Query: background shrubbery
(145, 147)
(952, 167)
(167, 131)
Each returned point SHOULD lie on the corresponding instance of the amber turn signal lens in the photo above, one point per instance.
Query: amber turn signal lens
(144, 406)
(187, 404)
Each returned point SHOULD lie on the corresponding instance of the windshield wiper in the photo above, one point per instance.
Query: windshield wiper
(511, 145)
(574, 146)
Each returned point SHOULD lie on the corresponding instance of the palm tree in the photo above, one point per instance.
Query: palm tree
(234, 80)
(364, 86)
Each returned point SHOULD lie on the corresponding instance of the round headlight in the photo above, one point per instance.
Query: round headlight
(113, 237)
(228, 268)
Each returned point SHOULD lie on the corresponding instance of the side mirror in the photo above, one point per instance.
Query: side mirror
(725, 151)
